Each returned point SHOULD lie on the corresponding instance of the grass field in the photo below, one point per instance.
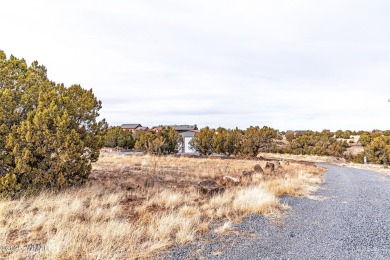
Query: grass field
(137, 206)
(385, 169)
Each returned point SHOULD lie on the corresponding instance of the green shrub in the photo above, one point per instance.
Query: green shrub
(203, 142)
(166, 141)
(49, 134)
(117, 137)
(359, 158)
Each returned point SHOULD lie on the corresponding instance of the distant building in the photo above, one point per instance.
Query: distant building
(179, 128)
(186, 131)
(143, 128)
(131, 127)
(187, 137)
(296, 131)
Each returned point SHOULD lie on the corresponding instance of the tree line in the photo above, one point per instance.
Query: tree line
(253, 140)
(207, 141)
(163, 142)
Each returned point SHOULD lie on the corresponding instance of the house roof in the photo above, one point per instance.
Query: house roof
(297, 131)
(130, 126)
(178, 127)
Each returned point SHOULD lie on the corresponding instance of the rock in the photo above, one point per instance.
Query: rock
(258, 169)
(230, 181)
(269, 168)
(248, 173)
(126, 169)
(128, 185)
(148, 183)
(144, 162)
(210, 187)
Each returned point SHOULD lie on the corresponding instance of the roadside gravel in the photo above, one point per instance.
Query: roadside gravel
(350, 220)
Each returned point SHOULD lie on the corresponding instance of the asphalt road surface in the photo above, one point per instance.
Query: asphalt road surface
(351, 221)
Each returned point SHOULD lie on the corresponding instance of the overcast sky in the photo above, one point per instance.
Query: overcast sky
(285, 64)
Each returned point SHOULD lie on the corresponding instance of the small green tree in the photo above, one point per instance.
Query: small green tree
(165, 141)
(339, 134)
(378, 151)
(117, 137)
(289, 136)
(233, 142)
(257, 140)
(219, 140)
(203, 142)
(386, 133)
(145, 142)
(227, 142)
(365, 138)
(172, 140)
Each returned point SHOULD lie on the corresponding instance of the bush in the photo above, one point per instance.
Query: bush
(316, 143)
(378, 151)
(365, 138)
(49, 135)
(256, 140)
(227, 142)
(233, 142)
(203, 142)
(166, 141)
(359, 158)
(117, 137)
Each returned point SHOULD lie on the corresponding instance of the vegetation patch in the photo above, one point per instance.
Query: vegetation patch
(136, 206)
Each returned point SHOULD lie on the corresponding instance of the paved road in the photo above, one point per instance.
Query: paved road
(353, 222)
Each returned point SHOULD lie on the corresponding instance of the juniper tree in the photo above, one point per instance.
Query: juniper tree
(227, 142)
(257, 140)
(172, 140)
(203, 142)
(166, 141)
(117, 137)
(49, 134)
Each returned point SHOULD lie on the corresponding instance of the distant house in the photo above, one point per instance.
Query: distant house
(143, 128)
(179, 128)
(187, 137)
(296, 131)
(186, 131)
(131, 127)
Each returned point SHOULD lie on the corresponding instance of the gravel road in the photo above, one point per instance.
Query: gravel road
(352, 221)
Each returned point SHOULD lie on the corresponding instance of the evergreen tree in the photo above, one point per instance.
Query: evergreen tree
(203, 142)
(49, 134)
(172, 140)
(117, 137)
(257, 140)
(378, 151)
(228, 142)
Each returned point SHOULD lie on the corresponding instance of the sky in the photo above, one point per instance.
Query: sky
(290, 65)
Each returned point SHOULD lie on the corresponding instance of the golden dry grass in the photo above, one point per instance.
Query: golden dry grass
(330, 160)
(137, 206)
(306, 158)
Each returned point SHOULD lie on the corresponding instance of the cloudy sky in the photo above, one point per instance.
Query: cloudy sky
(285, 64)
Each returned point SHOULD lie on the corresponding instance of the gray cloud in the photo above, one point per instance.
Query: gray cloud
(287, 64)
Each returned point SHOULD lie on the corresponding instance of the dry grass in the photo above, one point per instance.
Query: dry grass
(136, 206)
(306, 158)
(372, 167)
(330, 160)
